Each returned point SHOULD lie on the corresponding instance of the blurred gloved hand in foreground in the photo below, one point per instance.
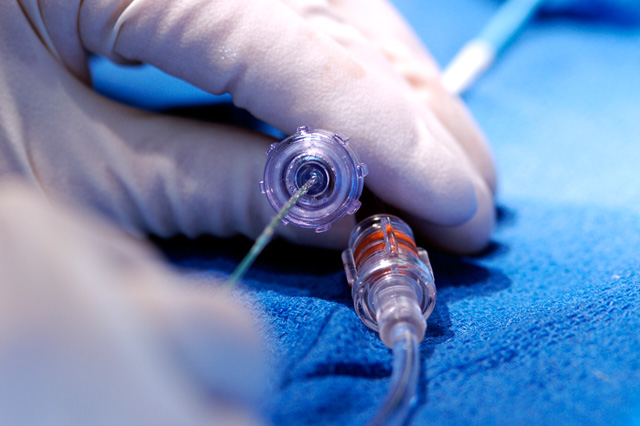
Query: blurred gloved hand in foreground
(352, 66)
(94, 330)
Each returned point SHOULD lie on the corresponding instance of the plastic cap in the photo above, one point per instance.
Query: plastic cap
(333, 162)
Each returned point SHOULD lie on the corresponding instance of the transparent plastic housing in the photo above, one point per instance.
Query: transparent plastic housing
(327, 157)
(391, 278)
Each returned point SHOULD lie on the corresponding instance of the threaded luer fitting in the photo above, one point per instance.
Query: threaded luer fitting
(391, 278)
(331, 160)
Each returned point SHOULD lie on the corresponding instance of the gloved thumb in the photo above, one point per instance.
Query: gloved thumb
(95, 330)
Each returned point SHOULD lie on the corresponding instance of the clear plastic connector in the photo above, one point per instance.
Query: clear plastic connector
(391, 278)
(327, 157)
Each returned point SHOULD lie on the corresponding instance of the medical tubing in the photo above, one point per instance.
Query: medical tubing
(404, 379)
(507, 21)
(477, 55)
(267, 234)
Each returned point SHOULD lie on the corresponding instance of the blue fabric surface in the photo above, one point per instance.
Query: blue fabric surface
(544, 327)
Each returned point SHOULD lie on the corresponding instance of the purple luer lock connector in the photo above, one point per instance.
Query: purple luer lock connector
(331, 161)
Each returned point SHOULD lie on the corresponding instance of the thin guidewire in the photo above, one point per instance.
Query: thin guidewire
(267, 234)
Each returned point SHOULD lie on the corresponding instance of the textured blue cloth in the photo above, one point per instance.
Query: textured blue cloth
(544, 327)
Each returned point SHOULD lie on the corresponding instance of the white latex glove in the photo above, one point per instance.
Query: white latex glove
(95, 331)
(352, 66)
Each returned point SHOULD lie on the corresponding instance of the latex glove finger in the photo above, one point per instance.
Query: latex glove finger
(468, 238)
(94, 330)
(398, 42)
(385, 32)
(287, 73)
(147, 172)
(370, 41)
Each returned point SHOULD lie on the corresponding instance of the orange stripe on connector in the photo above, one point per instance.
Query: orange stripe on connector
(375, 242)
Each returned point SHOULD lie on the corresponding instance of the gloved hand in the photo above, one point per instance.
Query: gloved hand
(95, 330)
(352, 66)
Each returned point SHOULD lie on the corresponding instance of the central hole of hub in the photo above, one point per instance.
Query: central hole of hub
(315, 170)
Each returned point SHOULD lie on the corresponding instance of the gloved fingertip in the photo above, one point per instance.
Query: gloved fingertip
(468, 238)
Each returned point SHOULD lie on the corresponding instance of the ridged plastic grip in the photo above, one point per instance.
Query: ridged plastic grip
(331, 160)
